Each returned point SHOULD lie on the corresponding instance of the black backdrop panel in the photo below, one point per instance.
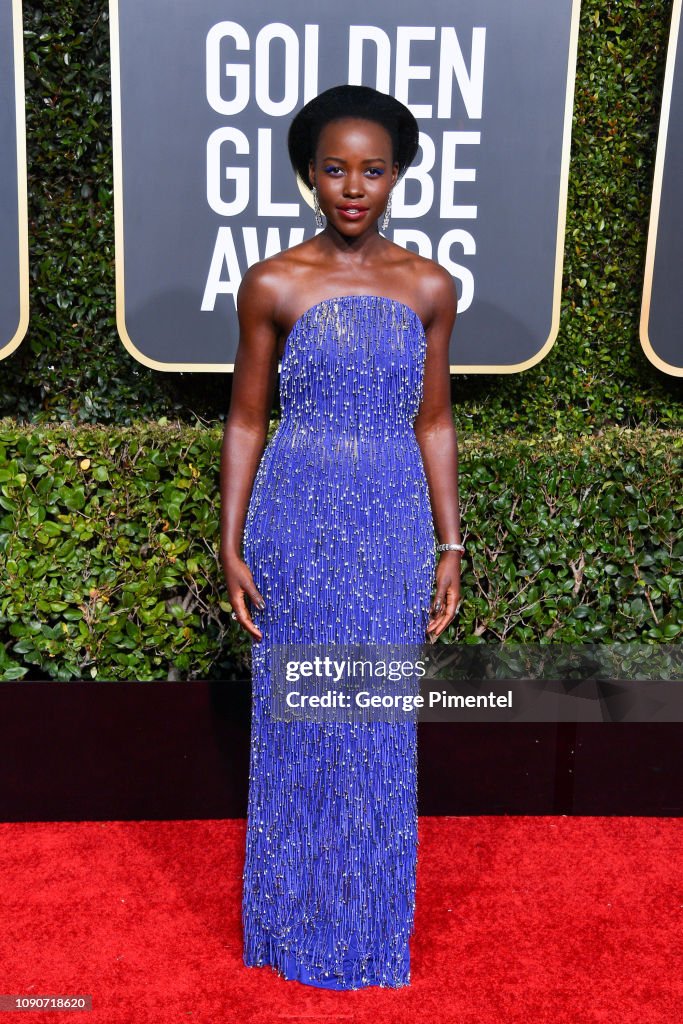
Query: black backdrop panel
(83, 751)
(203, 95)
(13, 218)
(661, 325)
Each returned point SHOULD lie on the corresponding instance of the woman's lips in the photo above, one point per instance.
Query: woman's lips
(353, 212)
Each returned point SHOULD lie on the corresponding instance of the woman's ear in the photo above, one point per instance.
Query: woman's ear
(394, 175)
(311, 172)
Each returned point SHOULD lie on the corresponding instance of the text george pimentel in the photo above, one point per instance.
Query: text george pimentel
(366, 699)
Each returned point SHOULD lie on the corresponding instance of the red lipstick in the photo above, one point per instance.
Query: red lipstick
(353, 211)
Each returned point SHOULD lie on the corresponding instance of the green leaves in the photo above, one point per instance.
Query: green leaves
(114, 575)
(108, 556)
(572, 540)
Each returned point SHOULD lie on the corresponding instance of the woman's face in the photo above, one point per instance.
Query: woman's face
(354, 173)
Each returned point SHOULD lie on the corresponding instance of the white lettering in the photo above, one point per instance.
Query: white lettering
(266, 207)
(225, 255)
(452, 62)
(406, 72)
(214, 75)
(420, 173)
(310, 62)
(421, 241)
(215, 177)
(450, 173)
(443, 256)
(273, 243)
(224, 252)
(285, 33)
(359, 34)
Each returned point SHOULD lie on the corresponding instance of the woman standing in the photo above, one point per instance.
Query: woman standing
(337, 518)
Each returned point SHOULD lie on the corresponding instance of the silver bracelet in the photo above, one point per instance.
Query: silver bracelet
(450, 547)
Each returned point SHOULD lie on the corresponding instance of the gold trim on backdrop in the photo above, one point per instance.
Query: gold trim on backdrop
(227, 367)
(22, 186)
(656, 360)
(117, 154)
(561, 214)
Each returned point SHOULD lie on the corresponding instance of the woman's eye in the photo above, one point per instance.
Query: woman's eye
(332, 170)
(375, 172)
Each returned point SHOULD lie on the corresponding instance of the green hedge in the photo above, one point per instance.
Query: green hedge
(108, 548)
(72, 367)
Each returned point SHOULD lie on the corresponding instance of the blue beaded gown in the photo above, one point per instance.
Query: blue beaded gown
(340, 542)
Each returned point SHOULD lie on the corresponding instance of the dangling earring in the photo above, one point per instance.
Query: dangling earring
(387, 213)
(319, 222)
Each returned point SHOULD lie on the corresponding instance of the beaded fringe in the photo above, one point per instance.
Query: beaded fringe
(340, 542)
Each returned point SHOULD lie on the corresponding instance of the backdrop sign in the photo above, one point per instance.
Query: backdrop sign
(204, 93)
(13, 203)
(661, 313)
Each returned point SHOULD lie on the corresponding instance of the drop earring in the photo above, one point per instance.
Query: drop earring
(387, 213)
(319, 222)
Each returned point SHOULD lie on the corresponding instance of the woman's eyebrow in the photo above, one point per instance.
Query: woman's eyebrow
(371, 160)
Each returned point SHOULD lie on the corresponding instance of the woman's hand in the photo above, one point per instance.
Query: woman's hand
(447, 597)
(240, 586)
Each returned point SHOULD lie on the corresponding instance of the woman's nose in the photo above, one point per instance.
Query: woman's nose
(353, 184)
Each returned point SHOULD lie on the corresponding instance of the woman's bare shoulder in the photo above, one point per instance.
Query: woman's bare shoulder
(265, 282)
(439, 286)
(430, 283)
(427, 271)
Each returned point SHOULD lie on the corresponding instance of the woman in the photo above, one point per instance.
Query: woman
(337, 520)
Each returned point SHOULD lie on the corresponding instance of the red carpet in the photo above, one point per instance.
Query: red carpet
(530, 920)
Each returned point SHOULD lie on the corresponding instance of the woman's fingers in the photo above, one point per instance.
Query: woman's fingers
(446, 598)
(243, 617)
(246, 588)
(442, 612)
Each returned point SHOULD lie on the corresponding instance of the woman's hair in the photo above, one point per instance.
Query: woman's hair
(357, 101)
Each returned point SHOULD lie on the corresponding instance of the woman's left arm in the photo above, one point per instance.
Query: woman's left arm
(436, 437)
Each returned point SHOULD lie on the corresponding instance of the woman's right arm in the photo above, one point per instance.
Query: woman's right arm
(246, 430)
